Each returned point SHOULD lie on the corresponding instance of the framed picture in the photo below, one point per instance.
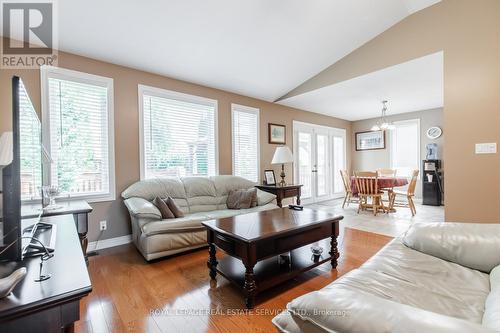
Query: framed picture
(370, 140)
(269, 177)
(277, 134)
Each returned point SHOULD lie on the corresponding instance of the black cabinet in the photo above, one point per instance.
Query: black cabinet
(432, 189)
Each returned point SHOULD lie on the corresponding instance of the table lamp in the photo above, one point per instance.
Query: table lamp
(6, 149)
(282, 155)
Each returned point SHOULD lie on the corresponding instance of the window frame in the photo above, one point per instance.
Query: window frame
(47, 72)
(252, 110)
(419, 143)
(170, 94)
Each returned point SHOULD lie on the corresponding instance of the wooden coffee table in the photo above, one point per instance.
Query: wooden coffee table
(254, 241)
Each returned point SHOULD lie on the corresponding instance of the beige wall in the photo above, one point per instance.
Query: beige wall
(468, 32)
(369, 160)
(127, 126)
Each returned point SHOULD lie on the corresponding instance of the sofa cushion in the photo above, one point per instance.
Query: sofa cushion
(289, 323)
(142, 208)
(198, 187)
(414, 278)
(341, 309)
(203, 204)
(491, 318)
(263, 198)
(225, 183)
(474, 245)
(495, 278)
(162, 206)
(221, 213)
(188, 223)
(157, 187)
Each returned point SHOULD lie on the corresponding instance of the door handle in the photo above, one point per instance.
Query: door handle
(314, 170)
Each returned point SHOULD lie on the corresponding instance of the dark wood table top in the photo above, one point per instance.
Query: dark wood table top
(258, 225)
(70, 278)
(278, 186)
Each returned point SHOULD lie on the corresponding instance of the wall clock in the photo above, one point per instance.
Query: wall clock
(434, 132)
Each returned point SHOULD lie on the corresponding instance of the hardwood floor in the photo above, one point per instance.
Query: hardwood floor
(132, 295)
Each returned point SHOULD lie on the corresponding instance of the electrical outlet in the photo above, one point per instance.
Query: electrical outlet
(103, 225)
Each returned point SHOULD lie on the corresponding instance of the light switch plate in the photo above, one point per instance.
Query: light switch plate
(486, 148)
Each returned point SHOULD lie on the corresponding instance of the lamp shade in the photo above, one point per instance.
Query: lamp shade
(283, 154)
(6, 148)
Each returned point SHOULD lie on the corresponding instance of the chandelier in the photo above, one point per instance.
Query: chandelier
(382, 123)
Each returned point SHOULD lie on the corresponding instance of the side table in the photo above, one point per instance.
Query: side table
(282, 192)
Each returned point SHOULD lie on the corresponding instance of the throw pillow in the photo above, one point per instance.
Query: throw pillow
(173, 207)
(240, 199)
(166, 213)
(254, 197)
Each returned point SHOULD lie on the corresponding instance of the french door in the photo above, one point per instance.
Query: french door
(320, 154)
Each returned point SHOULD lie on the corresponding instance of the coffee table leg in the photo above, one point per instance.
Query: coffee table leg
(212, 261)
(334, 251)
(250, 286)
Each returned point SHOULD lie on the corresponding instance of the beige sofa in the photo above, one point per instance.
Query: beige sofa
(200, 199)
(439, 277)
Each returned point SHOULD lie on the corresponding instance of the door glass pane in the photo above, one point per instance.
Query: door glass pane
(338, 163)
(305, 163)
(322, 164)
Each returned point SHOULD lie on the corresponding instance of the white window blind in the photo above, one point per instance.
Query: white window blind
(178, 134)
(30, 150)
(405, 147)
(81, 133)
(245, 134)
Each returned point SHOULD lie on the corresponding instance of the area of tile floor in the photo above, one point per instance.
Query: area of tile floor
(393, 224)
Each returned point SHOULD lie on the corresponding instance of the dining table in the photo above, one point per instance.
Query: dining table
(384, 183)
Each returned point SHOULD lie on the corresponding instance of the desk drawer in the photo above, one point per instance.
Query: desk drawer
(291, 193)
(225, 243)
(288, 243)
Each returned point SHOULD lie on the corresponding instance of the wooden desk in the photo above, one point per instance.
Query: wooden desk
(281, 192)
(79, 209)
(52, 305)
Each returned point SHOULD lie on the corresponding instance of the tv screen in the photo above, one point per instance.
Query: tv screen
(22, 178)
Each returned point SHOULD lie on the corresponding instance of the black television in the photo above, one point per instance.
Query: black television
(22, 178)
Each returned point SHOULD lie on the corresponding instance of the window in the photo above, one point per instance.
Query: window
(30, 150)
(178, 134)
(245, 135)
(78, 132)
(405, 147)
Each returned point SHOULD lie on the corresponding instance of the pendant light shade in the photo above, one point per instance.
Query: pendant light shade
(382, 123)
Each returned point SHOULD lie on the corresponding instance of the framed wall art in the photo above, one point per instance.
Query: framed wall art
(370, 140)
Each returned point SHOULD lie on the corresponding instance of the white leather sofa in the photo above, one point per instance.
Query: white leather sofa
(439, 277)
(199, 198)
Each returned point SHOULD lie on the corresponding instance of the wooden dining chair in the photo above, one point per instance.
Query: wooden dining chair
(409, 194)
(386, 172)
(389, 173)
(367, 186)
(349, 196)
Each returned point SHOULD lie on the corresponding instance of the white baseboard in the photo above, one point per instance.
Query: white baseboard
(110, 242)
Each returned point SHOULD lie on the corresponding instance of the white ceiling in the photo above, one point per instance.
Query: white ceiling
(410, 86)
(258, 48)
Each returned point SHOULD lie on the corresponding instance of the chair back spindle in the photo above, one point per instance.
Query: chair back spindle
(413, 183)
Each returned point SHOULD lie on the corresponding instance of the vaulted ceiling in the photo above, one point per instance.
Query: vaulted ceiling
(411, 86)
(257, 48)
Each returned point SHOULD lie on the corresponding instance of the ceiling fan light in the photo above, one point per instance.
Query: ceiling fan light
(375, 127)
